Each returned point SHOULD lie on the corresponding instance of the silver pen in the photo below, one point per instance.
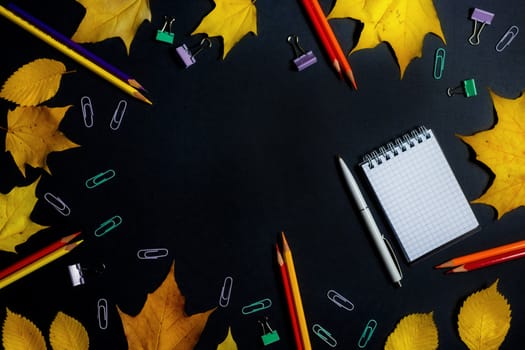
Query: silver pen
(387, 255)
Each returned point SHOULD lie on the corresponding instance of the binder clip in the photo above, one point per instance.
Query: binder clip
(269, 336)
(302, 59)
(479, 16)
(164, 34)
(186, 54)
(467, 88)
(507, 38)
(78, 274)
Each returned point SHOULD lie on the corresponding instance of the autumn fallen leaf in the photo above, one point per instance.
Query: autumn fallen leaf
(414, 332)
(162, 324)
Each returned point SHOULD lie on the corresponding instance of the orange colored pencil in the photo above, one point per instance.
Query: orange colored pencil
(37, 255)
(464, 259)
(289, 299)
(492, 260)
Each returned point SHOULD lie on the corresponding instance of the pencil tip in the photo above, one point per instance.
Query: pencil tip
(443, 265)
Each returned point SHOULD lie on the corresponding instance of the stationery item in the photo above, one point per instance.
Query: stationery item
(507, 38)
(186, 54)
(269, 335)
(419, 193)
(79, 274)
(289, 300)
(467, 88)
(38, 263)
(102, 313)
(302, 58)
(324, 335)
(367, 334)
(382, 245)
(87, 111)
(296, 294)
(340, 300)
(37, 255)
(226, 291)
(482, 17)
(152, 253)
(164, 34)
(328, 39)
(118, 115)
(100, 178)
(439, 63)
(71, 53)
(74, 46)
(256, 306)
(483, 254)
(493, 260)
(57, 203)
(108, 225)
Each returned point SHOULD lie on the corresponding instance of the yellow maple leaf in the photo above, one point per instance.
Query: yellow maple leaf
(66, 333)
(401, 23)
(228, 343)
(32, 134)
(231, 20)
(162, 324)
(20, 333)
(16, 225)
(484, 319)
(502, 149)
(414, 332)
(109, 19)
(34, 82)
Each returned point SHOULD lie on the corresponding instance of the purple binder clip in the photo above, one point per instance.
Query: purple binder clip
(186, 54)
(479, 16)
(302, 59)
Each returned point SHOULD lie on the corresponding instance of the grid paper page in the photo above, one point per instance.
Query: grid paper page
(421, 198)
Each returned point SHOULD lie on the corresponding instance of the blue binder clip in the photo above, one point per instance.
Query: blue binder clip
(302, 59)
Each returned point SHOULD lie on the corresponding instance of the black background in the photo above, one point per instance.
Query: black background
(234, 151)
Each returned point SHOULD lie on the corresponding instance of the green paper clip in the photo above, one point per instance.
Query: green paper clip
(257, 306)
(108, 225)
(439, 63)
(367, 333)
(324, 335)
(100, 178)
(467, 87)
(268, 337)
(162, 34)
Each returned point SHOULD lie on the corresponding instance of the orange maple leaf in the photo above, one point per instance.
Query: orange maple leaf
(162, 324)
(502, 149)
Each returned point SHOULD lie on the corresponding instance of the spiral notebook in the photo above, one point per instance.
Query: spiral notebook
(419, 193)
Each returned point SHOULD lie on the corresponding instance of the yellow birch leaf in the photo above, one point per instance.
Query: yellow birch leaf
(162, 324)
(228, 343)
(20, 333)
(66, 333)
(231, 20)
(484, 319)
(34, 82)
(32, 134)
(402, 23)
(414, 332)
(16, 225)
(109, 19)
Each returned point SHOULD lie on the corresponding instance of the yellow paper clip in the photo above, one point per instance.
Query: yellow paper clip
(226, 291)
(324, 335)
(152, 253)
(57, 203)
(257, 306)
(507, 38)
(340, 300)
(108, 225)
(118, 115)
(102, 313)
(87, 111)
(100, 178)
(367, 333)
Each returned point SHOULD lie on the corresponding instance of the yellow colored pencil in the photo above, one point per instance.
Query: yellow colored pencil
(15, 276)
(290, 267)
(73, 55)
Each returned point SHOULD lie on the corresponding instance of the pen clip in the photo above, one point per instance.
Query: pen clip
(391, 249)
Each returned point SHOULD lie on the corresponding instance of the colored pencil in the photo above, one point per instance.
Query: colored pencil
(289, 299)
(294, 286)
(74, 46)
(37, 255)
(464, 259)
(37, 264)
(493, 260)
(124, 86)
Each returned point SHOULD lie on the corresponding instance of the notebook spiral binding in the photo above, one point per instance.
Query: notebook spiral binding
(393, 148)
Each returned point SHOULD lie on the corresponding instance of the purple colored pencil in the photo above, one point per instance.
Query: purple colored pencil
(74, 46)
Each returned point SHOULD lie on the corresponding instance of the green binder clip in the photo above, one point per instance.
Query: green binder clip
(467, 88)
(269, 335)
(163, 35)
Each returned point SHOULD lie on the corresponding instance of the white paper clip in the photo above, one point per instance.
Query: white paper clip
(507, 38)
(367, 333)
(256, 306)
(339, 300)
(102, 313)
(87, 111)
(108, 225)
(324, 335)
(118, 115)
(226, 290)
(152, 253)
(479, 16)
(186, 54)
(302, 59)
(100, 178)
(57, 203)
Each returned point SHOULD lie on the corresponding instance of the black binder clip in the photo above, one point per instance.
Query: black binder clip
(186, 54)
(269, 336)
(164, 34)
(79, 274)
(302, 59)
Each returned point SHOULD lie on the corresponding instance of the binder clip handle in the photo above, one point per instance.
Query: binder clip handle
(482, 17)
(164, 34)
(302, 58)
(293, 40)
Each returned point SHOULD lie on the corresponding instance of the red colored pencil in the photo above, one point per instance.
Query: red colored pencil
(37, 255)
(493, 260)
(289, 299)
